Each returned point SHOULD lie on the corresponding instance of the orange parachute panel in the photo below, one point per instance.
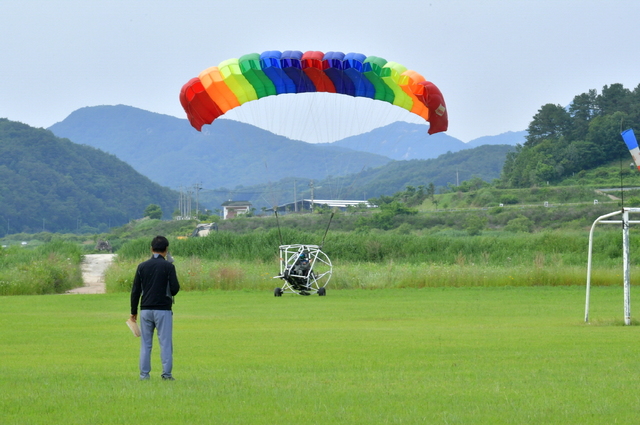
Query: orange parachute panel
(218, 91)
(408, 82)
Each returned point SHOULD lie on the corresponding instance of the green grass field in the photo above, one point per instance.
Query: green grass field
(433, 355)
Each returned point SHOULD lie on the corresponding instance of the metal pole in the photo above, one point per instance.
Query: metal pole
(589, 260)
(626, 266)
(586, 306)
(198, 187)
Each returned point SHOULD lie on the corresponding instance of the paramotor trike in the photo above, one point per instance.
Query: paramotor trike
(305, 270)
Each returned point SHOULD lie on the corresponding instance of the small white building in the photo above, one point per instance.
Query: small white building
(231, 209)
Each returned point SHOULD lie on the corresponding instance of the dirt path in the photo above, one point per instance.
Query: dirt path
(93, 269)
(613, 198)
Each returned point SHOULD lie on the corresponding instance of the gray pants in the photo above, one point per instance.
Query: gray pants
(163, 321)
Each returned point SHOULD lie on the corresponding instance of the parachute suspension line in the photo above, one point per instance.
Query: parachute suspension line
(299, 110)
(324, 111)
(326, 230)
(275, 209)
(350, 109)
(311, 128)
(244, 114)
(254, 111)
(301, 106)
(291, 124)
(274, 194)
(331, 118)
(373, 112)
(358, 123)
(342, 117)
(311, 119)
(324, 107)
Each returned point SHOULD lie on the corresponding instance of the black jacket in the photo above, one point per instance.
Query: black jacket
(157, 282)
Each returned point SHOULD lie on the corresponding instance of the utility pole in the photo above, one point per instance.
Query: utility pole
(295, 197)
(311, 186)
(189, 203)
(184, 204)
(197, 186)
(180, 204)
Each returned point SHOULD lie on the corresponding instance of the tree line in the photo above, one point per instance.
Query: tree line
(51, 184)
(563, 141)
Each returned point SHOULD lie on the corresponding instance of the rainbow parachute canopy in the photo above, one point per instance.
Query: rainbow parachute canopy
(251, 77)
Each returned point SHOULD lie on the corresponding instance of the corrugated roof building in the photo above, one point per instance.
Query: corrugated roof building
(308, 204)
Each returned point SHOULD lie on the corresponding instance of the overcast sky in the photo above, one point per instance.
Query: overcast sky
(496, 62)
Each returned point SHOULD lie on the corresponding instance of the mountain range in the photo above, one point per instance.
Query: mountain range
(170, 152)
(230, 153)
(405, 141)
(450, 169)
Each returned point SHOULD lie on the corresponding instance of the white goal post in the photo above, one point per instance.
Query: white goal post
(626, 261)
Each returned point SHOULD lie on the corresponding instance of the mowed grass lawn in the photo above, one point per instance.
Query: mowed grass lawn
(403, 356)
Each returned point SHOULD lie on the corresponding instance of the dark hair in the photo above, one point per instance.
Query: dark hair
(159, 244)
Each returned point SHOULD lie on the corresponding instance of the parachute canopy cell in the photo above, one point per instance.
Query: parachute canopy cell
(253, 76)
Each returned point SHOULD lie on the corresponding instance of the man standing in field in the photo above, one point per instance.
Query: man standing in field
(157, 283)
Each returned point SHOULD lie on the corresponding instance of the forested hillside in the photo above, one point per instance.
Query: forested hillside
(484, 162)
(565, 141)
(227, 153)
(56, 185)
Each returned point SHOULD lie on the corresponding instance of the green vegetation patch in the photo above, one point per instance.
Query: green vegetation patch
(50, 268)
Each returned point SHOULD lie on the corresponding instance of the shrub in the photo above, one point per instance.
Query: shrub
(474, 224)
(519, 224)
(508, 199)
(633, 202)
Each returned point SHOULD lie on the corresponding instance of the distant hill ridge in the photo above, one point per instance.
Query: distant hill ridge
(49, 183)
(406, 141)
(484, 161)
(231, 153)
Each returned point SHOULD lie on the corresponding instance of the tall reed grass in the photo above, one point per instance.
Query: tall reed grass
(228, 260)
(51, 268)
(200, 274)
(491, 248)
